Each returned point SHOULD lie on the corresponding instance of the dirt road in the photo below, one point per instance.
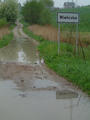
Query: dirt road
(30, 91)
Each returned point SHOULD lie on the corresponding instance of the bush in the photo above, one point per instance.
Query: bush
(35, 12)
(9, 10)
(3, 22)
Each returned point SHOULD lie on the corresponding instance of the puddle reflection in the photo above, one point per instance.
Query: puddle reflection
(40, 105)
(19, 51)
(65, 94)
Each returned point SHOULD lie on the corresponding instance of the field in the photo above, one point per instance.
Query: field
(84, 25)
(49, 32)
(68, 34)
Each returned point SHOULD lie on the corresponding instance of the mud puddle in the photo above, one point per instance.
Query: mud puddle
(40, 105)
(19, 50)
(30, 91)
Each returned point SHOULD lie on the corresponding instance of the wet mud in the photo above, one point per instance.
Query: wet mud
(30, 91)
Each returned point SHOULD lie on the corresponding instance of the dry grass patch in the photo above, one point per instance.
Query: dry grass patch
(4, 31)
(50, 33)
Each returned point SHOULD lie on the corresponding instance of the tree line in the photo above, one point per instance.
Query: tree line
(37, 11)
(33, 11)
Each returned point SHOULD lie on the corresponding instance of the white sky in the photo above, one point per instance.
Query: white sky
(59, 3)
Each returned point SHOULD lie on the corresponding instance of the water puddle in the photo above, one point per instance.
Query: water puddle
(40, 105)
(66, 94)
(19, 50)
(45, 84)
(21, 56)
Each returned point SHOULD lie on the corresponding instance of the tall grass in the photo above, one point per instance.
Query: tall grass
(51, 33)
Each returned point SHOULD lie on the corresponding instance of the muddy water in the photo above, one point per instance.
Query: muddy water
(33, 92)
(19, 50)
(40, 105)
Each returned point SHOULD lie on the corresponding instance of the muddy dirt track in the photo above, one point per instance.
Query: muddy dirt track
(30, 91)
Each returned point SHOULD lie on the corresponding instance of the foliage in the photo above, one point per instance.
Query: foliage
(72, 67)
(45, 17)
(9, 10)
(6, 40)
(48, 3)
(35, 12)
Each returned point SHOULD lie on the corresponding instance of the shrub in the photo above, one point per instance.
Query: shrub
(9, 10)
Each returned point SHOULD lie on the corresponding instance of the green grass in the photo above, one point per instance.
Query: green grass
(3, 22)
(12, 26)
(84, 12)
(71, 67)
(6, 40)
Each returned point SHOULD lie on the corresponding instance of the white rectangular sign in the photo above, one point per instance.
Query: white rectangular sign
(66, 17)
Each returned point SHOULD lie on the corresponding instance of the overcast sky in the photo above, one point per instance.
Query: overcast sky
(59, 3)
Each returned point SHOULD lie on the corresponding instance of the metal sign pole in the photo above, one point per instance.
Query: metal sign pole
(76, 38)
(58, 38)
(67, 17)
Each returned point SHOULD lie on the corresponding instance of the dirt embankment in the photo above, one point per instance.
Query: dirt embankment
(50, 33)
(4, 31)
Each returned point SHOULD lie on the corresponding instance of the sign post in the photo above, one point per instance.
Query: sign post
(77, 38)
(58, 38)
(70, 18)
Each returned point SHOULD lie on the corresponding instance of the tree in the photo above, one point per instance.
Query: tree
(9, 10)
(48, 3)
(35, 12)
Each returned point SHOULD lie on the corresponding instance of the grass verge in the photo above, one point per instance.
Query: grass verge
(8, 37)
(71, 67)
(6, 40)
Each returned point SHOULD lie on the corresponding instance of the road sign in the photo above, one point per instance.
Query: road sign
(70, 18)
(66, 17)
